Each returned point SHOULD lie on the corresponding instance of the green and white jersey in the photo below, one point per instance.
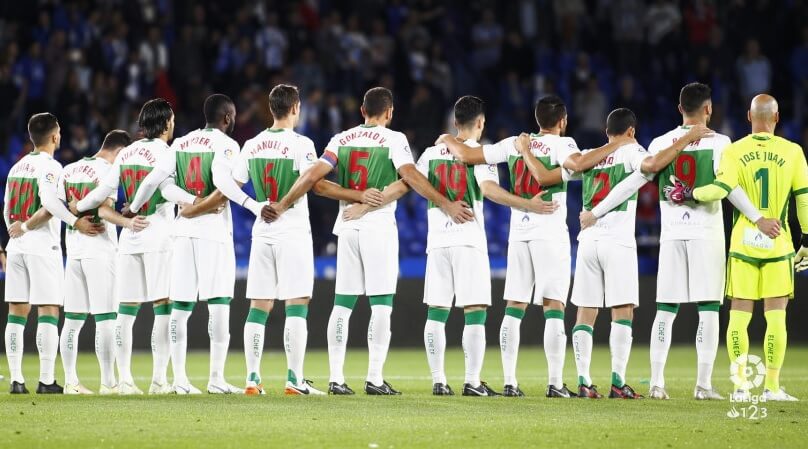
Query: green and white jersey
(617, 225)
(367, 156)
(131, 166)
(25, 185)
(458, 182)
(272, 161)
(77, 180)
(552, 151)
(696, 166)
(192, 159)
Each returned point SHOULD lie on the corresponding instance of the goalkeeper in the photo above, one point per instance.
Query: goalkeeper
(769, 169)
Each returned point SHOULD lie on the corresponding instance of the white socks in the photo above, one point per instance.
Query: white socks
(620, 347)
(661, 336)
(47, 342)
(123, 341)
(555, 346)
(509, 336)
(178, 329)
(160, 345)
(105, 347)
(15, 328)
(706, 345)
(254, 330)
(474, 345)
(219, 333)
(295, 338)
(435, 343)
(337, 342)
(378, 341)
(68, 345)
(582, 346)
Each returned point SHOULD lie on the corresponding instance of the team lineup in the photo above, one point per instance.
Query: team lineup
(176, 244)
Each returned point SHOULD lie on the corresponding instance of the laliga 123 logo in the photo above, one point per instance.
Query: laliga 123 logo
(747, 372)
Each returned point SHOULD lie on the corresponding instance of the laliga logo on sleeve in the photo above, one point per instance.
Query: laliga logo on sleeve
(752, 374)
(50, 178)
(310, 157)
(228, 153)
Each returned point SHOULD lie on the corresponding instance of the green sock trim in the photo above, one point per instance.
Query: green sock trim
(75, 316)
(105, 317)
(299, 310)
(582, 327)
(17, 319)
(475, 317)
(347, 301)
(667, 307)
(125, 309)
(711, 306)
(582, 381)
(184, 305)
(162, 309)
(257, 316)
(219, 301)
(551, 313)
(617, 381)
(381, 300)
(515, 312)
(624, 323)
(48, 319)
(290, 377)
(254, 377)
(437, 314)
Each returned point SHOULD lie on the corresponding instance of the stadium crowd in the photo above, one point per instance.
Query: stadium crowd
(93, 63)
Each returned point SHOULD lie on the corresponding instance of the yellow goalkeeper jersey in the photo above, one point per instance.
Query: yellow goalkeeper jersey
(769, 169)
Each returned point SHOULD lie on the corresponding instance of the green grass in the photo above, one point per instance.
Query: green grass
(415, 419)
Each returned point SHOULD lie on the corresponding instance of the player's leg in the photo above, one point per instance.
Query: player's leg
(262, 282)
(77, 307)
(378, 249)
(48, 294)
(777, 288)
(743, 288)
(519, 287)
(350, 283)
(215, 264)
(472, 276)
(130, 281)
(438, 294)
(183, 291)
(622, 296)
(17, 289)
(587, 295)
(552, 283)
(100, 280)
(672, 289)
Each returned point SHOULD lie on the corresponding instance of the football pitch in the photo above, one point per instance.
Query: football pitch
(415, 419)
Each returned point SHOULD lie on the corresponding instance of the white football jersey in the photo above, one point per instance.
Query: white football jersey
(696, 166)
(77, 180)
(552, 151)
(458, 182)
(367, 156)
(272, 161)
(26, 180)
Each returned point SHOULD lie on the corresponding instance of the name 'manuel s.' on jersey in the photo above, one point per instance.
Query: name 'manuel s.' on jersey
(770, 169)
(457, 182)
(131, 166)
(272, 161)
(552, 151)
(696, 166)
(191, 159)
(619, 223)
(367, 156)
(26, 179)
(77, 180)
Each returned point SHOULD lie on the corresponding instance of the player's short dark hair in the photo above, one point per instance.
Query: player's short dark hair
(466, 110)
(40, 127)
(154, 117)
(619, 121)
(549, 111)
(693, 96)
(116, 138)
(282, 98)
(215, 107)
(377, 100)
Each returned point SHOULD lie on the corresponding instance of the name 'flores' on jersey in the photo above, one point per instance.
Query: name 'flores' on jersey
(362, 168)
(455, 181)
(132, 177)
(523, 183)
(598, 182)
(194, 172)
(272, 178)
(694, 168)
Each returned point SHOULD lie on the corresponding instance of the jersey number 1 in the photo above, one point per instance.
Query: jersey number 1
(763, 175)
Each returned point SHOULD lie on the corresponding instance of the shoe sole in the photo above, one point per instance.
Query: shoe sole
(289, 391)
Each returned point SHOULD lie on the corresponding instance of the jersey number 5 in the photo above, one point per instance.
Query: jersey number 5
(354, 167)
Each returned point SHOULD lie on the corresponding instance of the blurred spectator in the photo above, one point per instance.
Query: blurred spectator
(487, 37)
(799, 71)
(754, 71)
(590, 113)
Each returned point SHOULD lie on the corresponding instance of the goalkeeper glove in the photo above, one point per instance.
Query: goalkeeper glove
(678, 192)
(801, 259)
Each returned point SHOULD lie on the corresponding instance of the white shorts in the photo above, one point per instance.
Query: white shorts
(367, 261)
(605, 275)
(36, 280)
(90, 286)
(544, 264)
(281, 271)
(459, 272)
(143, 277)
(691, 271)
(201, 268)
